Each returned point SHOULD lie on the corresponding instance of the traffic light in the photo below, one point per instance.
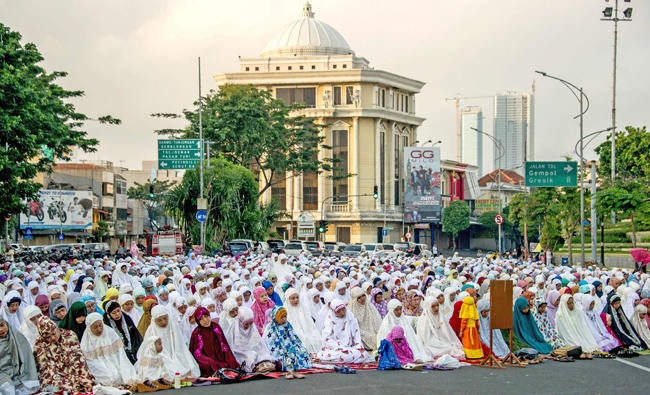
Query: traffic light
(375, 192)
(151, 191)
(322, 227)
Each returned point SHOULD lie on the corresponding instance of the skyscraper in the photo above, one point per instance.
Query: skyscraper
(514, 128)
(471, 140)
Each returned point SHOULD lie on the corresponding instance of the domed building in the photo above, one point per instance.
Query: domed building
(370, 116)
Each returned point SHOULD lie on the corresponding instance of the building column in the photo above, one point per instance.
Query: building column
(377, 162)
(389, 199)
(354, 181)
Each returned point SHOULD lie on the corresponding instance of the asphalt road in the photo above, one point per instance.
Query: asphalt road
(551, 377)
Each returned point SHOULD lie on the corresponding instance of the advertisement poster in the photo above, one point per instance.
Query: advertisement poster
(56, 209)
(422, 188)
(482, 206)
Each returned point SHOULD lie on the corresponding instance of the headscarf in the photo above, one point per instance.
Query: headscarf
(640, 324)
(274, 296)
(105, 355)
(303, 325)
(382, 306)
(524, 326)
(621, 326)
(260, 309)
(572, 327)
(145, 320)
(605, 340)
(209, 346)
(78, 309)
(22, 369)
(435, 334)
(367, 317)
(400, 345)
(544, 325)
(42, 300)
(391, 321)
(54, 306)
(499, 346)
(27, 328)
(13, 319)
(284, 344)
(551, 308)
(247, 345)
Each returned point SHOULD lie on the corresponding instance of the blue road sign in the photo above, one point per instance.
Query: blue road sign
(384, 232)
(201, 215)
(60, 236)
(29, 234)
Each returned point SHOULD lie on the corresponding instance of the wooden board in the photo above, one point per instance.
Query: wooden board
(500, 304)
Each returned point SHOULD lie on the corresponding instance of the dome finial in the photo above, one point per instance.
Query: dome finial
(306, 10)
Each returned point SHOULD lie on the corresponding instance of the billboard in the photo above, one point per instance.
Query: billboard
(56, 209)
(422, 186)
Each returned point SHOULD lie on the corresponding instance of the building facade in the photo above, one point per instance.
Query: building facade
(514, 128)
(370, 115)
(472, 142)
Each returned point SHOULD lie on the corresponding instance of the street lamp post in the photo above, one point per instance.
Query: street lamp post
(583, 110)
(499, 147)
(610, 14)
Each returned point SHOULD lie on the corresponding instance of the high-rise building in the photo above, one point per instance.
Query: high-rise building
(471, 140)
(514, 128)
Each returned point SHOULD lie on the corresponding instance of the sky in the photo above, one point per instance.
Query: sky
(134, 58)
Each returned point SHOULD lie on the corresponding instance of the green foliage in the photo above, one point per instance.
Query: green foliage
(627, 198)
(233, 208)
(455, 218)
(154, 205)
(100, 231)
(38, 123)
(249, 127)
(632, 155)
(489, 227)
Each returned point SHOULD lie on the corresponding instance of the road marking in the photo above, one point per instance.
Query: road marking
(633, 364)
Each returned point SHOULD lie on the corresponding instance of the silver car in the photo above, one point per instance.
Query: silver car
(353, 250)
(295, 249)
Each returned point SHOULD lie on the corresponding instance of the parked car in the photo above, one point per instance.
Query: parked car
(353, 250)
(276, 245)
(250, 243)
(296, 248)
(374, 250)
(425, 252)
(97, 250)
(334, 248)
(317, 248)
(239, 248)
(391, 251)
(263, 248)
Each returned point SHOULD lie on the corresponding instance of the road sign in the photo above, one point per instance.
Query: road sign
(498, 219)
(389, 228)
(179, 154)
(60, 236)
(201, 215)
(408, 235)
(29, 234)
(551, 174)
(384, 232)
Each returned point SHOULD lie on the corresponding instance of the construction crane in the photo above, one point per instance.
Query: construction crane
(457, 99)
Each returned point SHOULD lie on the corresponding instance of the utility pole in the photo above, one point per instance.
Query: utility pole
(594, 217)
(202, 154)
(582, 184)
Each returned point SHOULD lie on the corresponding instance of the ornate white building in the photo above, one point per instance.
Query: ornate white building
(371, 118)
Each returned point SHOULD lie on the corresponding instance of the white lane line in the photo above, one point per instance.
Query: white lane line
(633, 364)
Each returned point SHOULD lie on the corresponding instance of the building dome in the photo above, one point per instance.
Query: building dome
(307, 37)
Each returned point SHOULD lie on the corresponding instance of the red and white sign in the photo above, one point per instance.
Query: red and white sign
(498, 219)
(408, 235)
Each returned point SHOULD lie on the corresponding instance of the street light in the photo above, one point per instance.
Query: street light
(583, 110)
(501, 150)
(612, 16)
(428, 142)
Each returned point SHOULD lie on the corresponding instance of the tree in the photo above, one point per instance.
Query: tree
(455, 218)
(250, 128)
(38, 124)
(153, 204)
(233, 208)
(100, 231)
(520, 213)
(632, 155)
(490, 228)
(626, 198)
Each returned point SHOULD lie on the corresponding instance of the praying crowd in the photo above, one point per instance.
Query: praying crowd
(146, 323)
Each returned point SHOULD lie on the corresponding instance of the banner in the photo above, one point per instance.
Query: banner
(422, 187)
(56, 209)
(485, 206)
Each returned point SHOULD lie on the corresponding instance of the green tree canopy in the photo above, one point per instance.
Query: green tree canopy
(233, 208)
(632, 155)
(455, 218)
(38, 124)
(153, 204)
(626, 198)
(249, 127)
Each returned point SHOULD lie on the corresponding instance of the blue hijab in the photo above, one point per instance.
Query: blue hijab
(596, 284)
(274, 296)
(526, 329)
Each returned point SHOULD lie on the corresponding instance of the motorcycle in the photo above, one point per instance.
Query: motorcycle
(55, 209)
(34, 208)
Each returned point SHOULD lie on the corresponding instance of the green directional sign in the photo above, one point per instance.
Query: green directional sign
(178, 154)
(551, 174)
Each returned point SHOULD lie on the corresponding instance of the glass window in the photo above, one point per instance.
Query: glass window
(310, 190)
(349, 94)
(340, 154)
(383, 97)
(337, 95)
(397, 168)
(382, 166)
(279, 190)
(407, 104)
(305, 96)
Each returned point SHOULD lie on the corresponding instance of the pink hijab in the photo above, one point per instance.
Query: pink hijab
(551, 309)
(402, 349)
(259, 309)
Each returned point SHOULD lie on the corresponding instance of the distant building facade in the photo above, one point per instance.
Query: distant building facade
(472, 141)
(514, 128)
